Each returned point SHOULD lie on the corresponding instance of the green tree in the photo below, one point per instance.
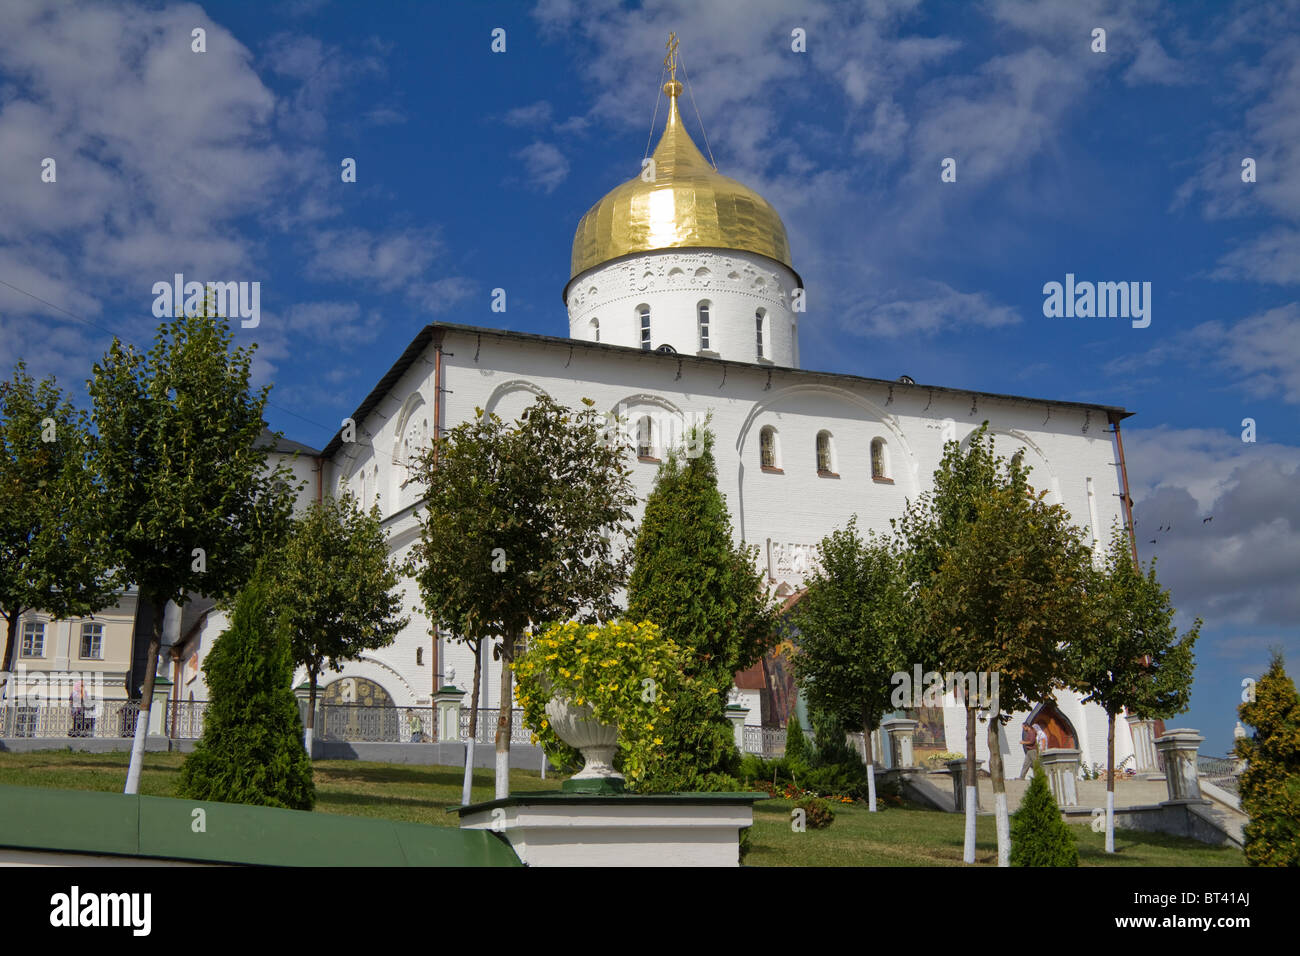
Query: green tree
(854, 626)
(333, 580)
(1270, 786)
(54, 555)
(797, 752)
(1009, 587)
(189, 501)
(929, 528)
(707, 595)
(1126, 653)
(1039, 837)
(519, 527)
(251, 749)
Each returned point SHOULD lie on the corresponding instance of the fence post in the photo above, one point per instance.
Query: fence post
(447, 701)
(1181, 773)
(158, 707)
(736, 713)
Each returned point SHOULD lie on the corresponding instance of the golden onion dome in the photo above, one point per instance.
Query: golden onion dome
(687, 204)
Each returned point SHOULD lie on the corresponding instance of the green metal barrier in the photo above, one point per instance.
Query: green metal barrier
(89, 822)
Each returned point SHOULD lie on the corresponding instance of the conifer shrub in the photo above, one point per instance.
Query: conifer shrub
(1039, 837)
(1270, 785)
(797, 751)
(251, 750)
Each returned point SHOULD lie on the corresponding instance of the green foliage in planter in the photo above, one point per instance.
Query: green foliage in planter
(627, 673)
(251, 750)
(1270, 786)
(1039, 837)
(797, 750)
(819, 814)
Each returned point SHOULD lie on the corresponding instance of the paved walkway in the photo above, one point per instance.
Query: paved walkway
(1092, 793)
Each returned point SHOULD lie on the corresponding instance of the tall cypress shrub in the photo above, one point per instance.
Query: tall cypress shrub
(251, 750)
(1039, 837)
(707, 595)
(1270, 786)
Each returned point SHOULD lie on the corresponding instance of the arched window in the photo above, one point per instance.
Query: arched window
(760, 320)
(644, 312)
(767, 448)
(879, 460)
(595, 330)
(702, 311)
(645, 446)
(825, 466)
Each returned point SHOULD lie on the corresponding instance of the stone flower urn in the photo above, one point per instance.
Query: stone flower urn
(597, 742)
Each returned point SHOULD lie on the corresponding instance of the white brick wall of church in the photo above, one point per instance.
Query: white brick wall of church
(793, 510)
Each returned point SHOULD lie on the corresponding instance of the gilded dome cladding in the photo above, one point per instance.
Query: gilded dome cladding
(688, 204)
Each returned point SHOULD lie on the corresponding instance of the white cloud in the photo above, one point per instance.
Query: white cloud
(1240, 567)
(1273, 257)
(545, 167)
(535, 114)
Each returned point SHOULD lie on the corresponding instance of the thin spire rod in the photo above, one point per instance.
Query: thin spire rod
(698, 118)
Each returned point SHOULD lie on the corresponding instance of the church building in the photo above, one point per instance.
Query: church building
(684, 301)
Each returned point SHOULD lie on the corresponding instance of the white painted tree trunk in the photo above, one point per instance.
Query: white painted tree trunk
(1110, 821)
(137, 743)
(469, 772)
(306, 741)
(871, 787)
(170, 625)
(1004, 829)
(968, 847)
(503, 774)
(972, 789)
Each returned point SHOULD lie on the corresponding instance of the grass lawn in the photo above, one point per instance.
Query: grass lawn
(391, 791)
(909, 836)
(896, 836)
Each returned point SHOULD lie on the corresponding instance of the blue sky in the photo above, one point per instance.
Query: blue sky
(474, 168)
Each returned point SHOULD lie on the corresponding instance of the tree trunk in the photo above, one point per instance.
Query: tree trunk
(999, 792)
(468, 782)
(503, 718)
(7, 661)
(311, 711)
(11, 636)
(871, 763)
(1110, 783)
(146, 700)
(972, 789)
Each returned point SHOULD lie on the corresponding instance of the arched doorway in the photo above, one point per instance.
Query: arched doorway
(357, 708)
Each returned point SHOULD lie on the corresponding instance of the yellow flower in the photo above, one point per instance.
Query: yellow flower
(545, 724)
(649, 726)
(551, 657)
(659, 740)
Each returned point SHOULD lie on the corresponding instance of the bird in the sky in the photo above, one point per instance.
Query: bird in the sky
(1153, 540)
(1207, 520)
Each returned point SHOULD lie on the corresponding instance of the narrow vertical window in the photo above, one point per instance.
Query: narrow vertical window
(824, 453)
(645, 447)
(758, 331)
(703, 311)
(644, 312)
(595, 330)
(879, 463)
(767, 447)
